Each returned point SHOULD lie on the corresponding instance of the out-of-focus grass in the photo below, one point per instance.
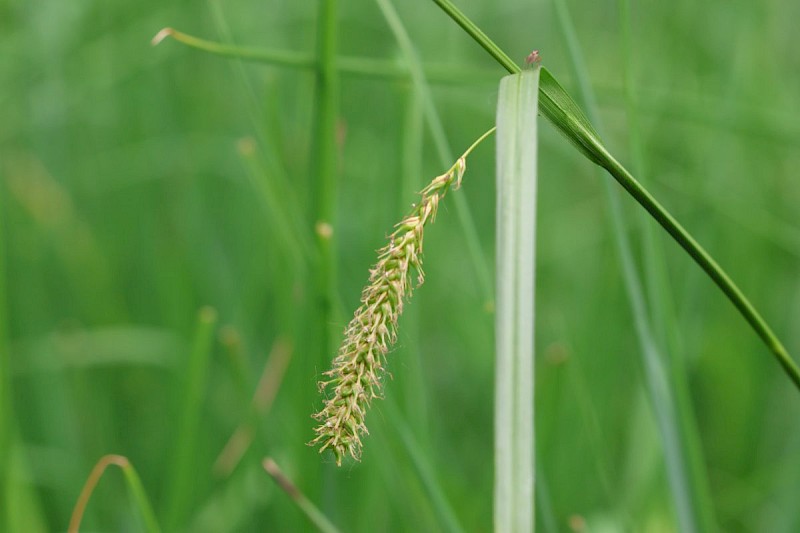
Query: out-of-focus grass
(128, 204)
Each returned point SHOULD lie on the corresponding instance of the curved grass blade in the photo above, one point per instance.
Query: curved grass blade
(134, 486)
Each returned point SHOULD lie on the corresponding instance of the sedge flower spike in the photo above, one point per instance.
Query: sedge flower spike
(355, 378)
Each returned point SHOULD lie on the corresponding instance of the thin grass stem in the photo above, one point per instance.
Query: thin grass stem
(135, 487)
(558, 107)
(314, 515)
(325, 191)
(325, 167)
(357, 67)
(477, 34)
(284, 58)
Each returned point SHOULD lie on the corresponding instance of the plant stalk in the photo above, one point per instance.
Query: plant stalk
(358, 67)
(559, 108)
(325, 168)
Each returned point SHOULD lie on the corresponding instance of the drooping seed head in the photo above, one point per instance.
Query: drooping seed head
(356, 376)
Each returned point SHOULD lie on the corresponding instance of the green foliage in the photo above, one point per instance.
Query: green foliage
(515, 227)
(139, 184)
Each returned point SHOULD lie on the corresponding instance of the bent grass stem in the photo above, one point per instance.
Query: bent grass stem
(134, 486)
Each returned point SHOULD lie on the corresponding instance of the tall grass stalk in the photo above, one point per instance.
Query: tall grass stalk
(325, 167)
(517, 109)
(135, 487)
(325, 187)
(561, 110)
(180, 489)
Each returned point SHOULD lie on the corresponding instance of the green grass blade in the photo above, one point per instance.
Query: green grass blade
(517, 110)
(558, 107)
(135, 488)
(140, 498)
(180, 478)
(563, 111)
(325, 187)
(325, 181)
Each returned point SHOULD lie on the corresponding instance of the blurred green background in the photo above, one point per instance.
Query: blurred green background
(141, 186)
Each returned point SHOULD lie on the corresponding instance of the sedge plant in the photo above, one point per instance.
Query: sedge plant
(358, 369)
(74, 398)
